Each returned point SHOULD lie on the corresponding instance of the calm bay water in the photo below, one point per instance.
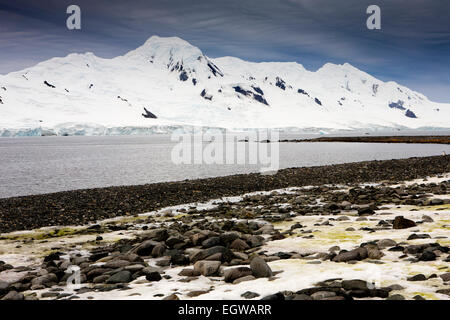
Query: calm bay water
(36, 165)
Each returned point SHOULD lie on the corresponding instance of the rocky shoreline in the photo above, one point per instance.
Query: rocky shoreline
(379, 139)
(337, 241)
(80, 207)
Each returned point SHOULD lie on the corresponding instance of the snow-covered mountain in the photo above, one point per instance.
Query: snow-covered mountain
(167, 82)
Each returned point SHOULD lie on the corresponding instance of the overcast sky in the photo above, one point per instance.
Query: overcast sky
(412, 48)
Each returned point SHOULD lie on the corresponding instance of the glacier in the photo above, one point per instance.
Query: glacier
(82, 94)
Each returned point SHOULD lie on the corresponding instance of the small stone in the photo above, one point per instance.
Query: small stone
(445, 277)
(274, 297)
(249, 295)
(153, 276)
(243, 279)
(189, 273)
(415, 236)
(396, 297)
(386, 243)
(301, 296)
(100, 279)
(116, 264)
(322, 295)
(173, 296)
(417, 277)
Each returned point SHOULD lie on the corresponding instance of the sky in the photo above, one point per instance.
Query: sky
(412, 47)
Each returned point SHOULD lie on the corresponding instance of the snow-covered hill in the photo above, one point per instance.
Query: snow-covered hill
(175, 82)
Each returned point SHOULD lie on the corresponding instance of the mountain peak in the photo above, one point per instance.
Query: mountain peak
(174, 54)
(166, 48)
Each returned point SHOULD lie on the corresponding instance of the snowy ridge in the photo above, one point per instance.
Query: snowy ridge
(180, 86)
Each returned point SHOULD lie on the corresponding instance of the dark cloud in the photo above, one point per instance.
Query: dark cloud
(412, 48)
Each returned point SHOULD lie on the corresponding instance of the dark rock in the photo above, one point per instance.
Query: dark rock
(402, 223)
(301, 297)
(355, 254)
(120, 277)
(179, 259)
(174, 240)
(274, 297)
(145, 248)
(157, 234)
(260, 268)
(249, 295)
(365, 210)
(410, 114)
(173, 296)
(153, 276)
(47, 280)
(427, 256)
(239, 245)
(320, 295)
(354, 284)
(415, 236)
(148, 114)
(444, 291)
(4, 287)
(95, 256)
(189, 273)
(203, 254)
(13, 295)
(52, 256)
(207, 268)
(211, 242)
(445, 277)
(235, 273)
(396, 297)
(417, 277)
(116, 264)
(158, 250)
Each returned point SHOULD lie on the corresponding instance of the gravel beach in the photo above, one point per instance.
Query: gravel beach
(86, 206)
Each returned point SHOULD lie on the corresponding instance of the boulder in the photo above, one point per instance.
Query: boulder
(153, 276)
(157, 234)
(354, 284)
(211, 242)
(13, 295)
(445, 277)
(145, 248)
(401, 223)
(260, 268)
(239, 245)
(355, 254)
(207, 268)
(235, 273)
(120, 277)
